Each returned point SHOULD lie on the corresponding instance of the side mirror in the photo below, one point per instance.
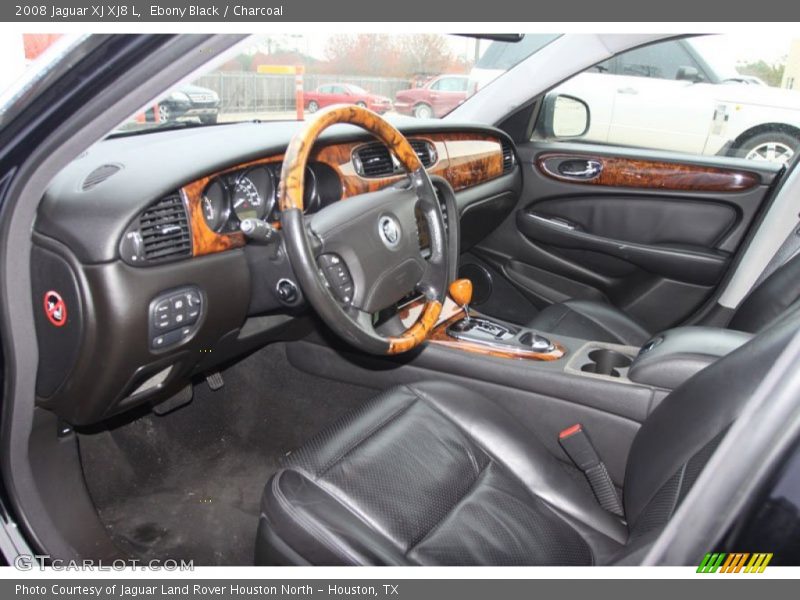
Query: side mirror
(688, 74)
(565, 116)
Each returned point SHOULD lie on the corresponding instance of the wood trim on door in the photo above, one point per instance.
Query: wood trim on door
(651, 174)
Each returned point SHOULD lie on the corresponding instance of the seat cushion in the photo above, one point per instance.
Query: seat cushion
(432, 474)
(589, 320)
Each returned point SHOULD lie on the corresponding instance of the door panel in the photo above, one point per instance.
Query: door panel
(650, 232)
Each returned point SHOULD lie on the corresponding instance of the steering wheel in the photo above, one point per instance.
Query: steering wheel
(363, 254)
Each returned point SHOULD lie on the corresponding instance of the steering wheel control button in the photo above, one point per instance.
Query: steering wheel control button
(338, 276)
(173, 317)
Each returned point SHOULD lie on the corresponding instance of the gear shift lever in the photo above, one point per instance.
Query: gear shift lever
(461, 292)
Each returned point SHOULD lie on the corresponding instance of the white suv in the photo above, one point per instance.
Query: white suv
(668, 96)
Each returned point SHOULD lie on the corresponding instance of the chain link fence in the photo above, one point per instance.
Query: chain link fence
(242, 92)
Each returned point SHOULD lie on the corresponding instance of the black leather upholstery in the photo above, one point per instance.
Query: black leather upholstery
(776, 296)
(679, 353)
(590, 320)
(433, 473)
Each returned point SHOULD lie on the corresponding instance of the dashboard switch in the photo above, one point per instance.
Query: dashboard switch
(174, 316)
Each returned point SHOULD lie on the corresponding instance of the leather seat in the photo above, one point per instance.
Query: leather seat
(593, 320)
(436, 474)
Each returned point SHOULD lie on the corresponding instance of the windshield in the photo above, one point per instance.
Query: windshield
(292, 76)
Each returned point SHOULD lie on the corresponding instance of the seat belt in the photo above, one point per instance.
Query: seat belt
(787, 251)
(580, 450)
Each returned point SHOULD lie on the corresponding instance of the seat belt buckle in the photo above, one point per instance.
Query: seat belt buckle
(581, 451)
(578, 447)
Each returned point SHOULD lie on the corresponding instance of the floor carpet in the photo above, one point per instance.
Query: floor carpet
(188, 485)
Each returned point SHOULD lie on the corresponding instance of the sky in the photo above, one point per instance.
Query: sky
(730, 48)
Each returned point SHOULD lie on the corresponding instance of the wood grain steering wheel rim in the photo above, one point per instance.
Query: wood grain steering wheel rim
(299, 246)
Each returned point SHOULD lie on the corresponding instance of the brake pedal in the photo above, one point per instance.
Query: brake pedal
(215, 380)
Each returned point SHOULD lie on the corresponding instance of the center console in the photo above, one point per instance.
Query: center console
(481, 330)
(463, 330)
(665, 361)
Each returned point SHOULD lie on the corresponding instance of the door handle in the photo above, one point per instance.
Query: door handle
(628, 90)
(581, 168)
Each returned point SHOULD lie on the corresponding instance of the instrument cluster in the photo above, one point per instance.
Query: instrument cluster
(252, 193)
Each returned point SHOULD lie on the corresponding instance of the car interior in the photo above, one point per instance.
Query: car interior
(436, 342)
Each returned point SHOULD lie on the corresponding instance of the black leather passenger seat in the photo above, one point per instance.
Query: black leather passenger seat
(436, 474)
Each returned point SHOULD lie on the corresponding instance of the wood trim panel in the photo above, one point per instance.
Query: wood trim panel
(339, 158)
(464, 159)
(651, 174)
(452, 313)
(472, 159)
(441, 337)
(204, 239)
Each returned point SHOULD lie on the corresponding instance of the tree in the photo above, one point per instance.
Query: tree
(425, 53)
(771, 74)
(361, 54)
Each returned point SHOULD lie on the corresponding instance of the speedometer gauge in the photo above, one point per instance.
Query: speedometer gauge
(253, 194)
(215, 206)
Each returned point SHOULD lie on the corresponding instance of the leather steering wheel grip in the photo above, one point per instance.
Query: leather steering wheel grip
(290, 201)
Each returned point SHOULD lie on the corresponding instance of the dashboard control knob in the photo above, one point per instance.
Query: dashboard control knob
(287, 291)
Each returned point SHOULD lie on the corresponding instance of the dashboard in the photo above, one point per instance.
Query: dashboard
(140, 240)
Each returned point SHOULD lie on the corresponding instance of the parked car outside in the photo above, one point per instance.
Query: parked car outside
(437, 97)
(672, 96)
(188, 101)
(345, 93)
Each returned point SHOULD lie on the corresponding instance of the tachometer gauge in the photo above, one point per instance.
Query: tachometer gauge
(253, 194)
(215, 206)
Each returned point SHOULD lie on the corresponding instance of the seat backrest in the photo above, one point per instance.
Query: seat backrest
(680, 435)
(776, 295)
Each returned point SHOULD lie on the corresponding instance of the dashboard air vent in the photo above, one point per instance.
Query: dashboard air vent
(425, 151)
(164, 230)
(99, 175)
(373, 160)
(508, 157)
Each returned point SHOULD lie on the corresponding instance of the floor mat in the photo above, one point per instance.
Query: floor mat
(188, 485)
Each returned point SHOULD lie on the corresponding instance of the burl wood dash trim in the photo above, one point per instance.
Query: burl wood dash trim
(204, 239)
(651, 174)
(465, 159)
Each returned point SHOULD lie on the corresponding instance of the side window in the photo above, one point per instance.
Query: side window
(324, 89)
(450, 84)
(717, 95)
(660, 61)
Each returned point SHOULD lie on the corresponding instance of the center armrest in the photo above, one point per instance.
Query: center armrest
(675, 355)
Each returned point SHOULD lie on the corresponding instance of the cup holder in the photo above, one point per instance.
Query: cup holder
(606, 362)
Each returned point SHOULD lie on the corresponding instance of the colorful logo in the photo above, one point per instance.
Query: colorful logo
(735, 562)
